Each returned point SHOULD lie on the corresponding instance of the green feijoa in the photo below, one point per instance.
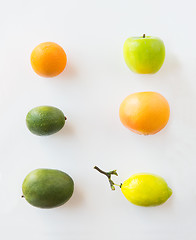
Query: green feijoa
(47, 188)
(45, 120)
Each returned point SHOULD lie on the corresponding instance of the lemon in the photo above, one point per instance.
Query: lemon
(146, 189)
(142, 189)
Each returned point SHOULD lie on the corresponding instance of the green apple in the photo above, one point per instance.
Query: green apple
(144, 54)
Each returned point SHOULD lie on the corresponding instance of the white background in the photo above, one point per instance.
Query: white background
(89, 92)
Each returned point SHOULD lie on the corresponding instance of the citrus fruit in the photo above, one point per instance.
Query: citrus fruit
(146, 189)
(45, 120)
(48, 59)
(142, 189)
(144, 112)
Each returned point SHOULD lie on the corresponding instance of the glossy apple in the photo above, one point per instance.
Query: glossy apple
(144, 54)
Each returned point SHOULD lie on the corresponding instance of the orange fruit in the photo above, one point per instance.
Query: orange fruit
(144, 112)
(48, 59)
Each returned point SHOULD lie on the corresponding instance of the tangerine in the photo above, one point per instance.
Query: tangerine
(48, 59)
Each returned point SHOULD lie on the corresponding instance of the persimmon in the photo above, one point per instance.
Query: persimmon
(144, 113)
(48, 59)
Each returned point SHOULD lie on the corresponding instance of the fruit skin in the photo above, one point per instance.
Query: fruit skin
(144, 112)
(47, 188)
(146, 190)
(48, 59)
(144, 54)
(45, 120)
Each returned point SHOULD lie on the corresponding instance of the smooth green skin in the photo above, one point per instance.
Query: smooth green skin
(146, 190)
(144, 55)
(47, 188)
(45, 120)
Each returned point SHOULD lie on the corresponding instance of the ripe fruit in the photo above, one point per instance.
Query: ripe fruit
(142, 189)
(144, 54)
(45, 120)
(47, 188)
(146, 189)
(144, 112)
(48, 59)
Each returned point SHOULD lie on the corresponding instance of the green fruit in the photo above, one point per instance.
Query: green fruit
(146, 190)
(144, 54)
(45, 120)
(47, 188)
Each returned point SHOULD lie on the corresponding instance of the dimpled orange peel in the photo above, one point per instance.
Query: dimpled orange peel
(144, 113)
(48, 59)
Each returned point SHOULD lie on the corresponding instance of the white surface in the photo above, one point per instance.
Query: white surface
(89, 92)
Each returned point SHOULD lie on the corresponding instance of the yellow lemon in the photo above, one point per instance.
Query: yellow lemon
(143, 189)
(146, 189)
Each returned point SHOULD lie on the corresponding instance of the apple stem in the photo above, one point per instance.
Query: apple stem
(109, 175)
(65, 118)
(144, 35)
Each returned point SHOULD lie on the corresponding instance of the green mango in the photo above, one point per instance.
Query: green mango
(47, 188)
(45, 120)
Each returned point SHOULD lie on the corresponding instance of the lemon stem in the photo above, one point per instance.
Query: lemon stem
(144, 35)
(109, 175)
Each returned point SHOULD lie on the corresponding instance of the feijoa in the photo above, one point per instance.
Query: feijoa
(45, 120)
(47, 188)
